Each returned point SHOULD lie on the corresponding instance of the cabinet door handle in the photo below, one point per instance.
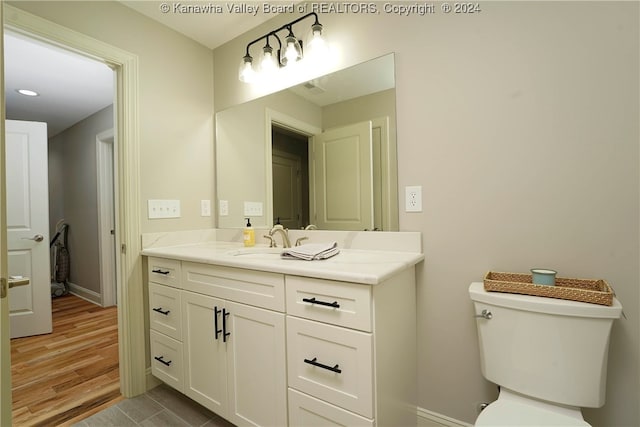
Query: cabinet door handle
(159, 310)
(225, 334)
(315, 301)
(215, 321)
(161, 360)
(314, 362)
(161, 272)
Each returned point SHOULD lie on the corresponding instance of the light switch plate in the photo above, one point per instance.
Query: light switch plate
(252, 209)
(223, 208)
(413, 198)
(163, 209)
(205, 207)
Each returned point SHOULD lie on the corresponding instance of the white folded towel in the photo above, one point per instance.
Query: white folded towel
(312, 251)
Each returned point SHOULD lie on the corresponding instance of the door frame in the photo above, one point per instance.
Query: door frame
(129, 263)
(106, 191)
(5, 333)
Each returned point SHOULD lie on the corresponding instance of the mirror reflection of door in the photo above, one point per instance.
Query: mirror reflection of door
(290, 171)
(343, 178)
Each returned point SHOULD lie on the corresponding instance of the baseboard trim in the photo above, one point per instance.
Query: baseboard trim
(151, 381)
(85, 294)
(428, 418)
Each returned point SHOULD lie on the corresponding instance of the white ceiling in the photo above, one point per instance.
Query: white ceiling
(210, 29)
(73, 87)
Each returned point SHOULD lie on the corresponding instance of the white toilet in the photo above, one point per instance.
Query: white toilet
(549, 357)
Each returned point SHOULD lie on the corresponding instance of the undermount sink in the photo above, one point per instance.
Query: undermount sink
(257, 252)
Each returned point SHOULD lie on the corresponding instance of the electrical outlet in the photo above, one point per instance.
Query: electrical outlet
(413, 198)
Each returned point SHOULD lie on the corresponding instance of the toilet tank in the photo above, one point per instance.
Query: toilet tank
(550, 349)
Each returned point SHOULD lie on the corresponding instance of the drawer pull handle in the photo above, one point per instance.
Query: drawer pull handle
(215, 320)
(315, 301)
(225, 334)
(314, 362)
(161, 272)
(159, 310)
(161, 360)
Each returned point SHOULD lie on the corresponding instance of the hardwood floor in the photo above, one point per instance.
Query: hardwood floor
(71, 373)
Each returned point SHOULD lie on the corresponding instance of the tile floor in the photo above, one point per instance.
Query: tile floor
(160, 407)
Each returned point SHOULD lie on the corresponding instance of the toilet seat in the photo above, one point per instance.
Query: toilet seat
(512, 410)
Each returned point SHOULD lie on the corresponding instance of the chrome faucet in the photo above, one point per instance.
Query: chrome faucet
(278, 228)
(311, 227)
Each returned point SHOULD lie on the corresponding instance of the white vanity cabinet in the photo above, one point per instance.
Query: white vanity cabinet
(232, 341)
(263, 348)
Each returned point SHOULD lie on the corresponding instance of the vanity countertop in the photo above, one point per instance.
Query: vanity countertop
(350, 265)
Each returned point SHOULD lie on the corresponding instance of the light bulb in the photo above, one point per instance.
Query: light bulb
(245, 72)
(268, 63)
(317, 47)
(293, 51)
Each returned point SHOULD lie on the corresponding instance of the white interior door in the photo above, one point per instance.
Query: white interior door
(343, 181)
(287, 190)
(28, 227)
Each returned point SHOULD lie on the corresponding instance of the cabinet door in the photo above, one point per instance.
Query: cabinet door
(204, 351)
(256, 360)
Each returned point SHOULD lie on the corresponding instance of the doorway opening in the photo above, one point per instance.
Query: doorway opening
(75, 161)
(76, 102)
(290, 169)
(129, 284)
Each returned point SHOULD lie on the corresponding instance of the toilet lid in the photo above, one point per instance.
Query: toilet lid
(509, 413)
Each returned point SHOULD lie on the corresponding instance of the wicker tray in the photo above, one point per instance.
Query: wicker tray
(584, 290)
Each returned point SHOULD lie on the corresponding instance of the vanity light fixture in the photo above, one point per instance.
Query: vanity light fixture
(288, 54)
(27, 92)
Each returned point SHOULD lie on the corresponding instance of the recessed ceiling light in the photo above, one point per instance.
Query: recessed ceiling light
(27, 92)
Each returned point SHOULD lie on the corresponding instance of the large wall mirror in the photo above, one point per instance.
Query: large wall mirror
(322, 153)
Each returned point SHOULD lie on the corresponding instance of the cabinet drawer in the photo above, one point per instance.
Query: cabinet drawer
(349, 303)
(164, 271)
(305, 410)
(331, 363)
(164, 310)
(257, 288)
(166, 360)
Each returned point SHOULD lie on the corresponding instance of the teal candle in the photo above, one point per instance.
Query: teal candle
(543, 276)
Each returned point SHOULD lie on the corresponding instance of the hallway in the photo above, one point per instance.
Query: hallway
(70, 373)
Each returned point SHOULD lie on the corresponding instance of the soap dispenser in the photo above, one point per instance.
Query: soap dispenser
(248, 234)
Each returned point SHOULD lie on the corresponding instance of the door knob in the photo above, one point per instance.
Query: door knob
(37, 238)
(15, 281)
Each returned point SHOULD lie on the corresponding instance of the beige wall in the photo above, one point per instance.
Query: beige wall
(72, 165)
(521, 125)
(175, 91)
